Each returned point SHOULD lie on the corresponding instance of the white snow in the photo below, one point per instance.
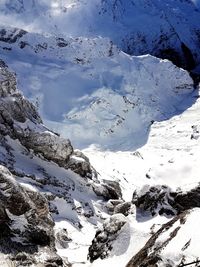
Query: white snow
(137, 118)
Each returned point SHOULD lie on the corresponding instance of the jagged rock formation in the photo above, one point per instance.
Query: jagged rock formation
(162, 200)
(50, 195)
(38, 160)
(102, 243)
(25, 223)
(20, 120)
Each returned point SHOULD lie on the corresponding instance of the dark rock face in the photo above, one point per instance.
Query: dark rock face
(11, 37)
(108, 190)
(123, 208)
(155, 200)
(80, 164)
(12, 193)
(162, 200)
(26, 226)
(20, 120)
(25, 220)
(102, 243)
(181, 57)
(187, 200)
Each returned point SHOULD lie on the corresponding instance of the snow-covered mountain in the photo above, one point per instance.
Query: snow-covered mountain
(120, 80)
(167, 29)
(45, 186)
(119, 97)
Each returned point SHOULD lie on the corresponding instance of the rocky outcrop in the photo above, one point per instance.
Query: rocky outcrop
(50, 146)
(115, 206)
(80, 164)
(108, 190)
(12, 37)
(148, 256)
(52, 171)
(123, 208)
(20, 120)
(25, 222)
(102, 243)
(154, 200)
(163, 200)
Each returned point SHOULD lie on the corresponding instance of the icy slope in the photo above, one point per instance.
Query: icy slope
(170, 158)
(39, 160)
(140, 114)
(168, 29)
(89, 85)
(174, 244)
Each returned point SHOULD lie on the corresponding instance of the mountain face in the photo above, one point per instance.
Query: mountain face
(119, 80)
(44, 171)
(166, 29)
(116, 90)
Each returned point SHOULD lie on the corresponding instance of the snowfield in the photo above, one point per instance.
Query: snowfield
(120, 80)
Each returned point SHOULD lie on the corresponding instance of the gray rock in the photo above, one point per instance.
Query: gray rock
(102, 243)
(24, 214)
(80, 164)
(123, 208)
(108, 190)
(26, 226)
(111, 204)
(154, 200)
(114, 186)
(162, 200)
(62, 238)
(20, 120)
(51, 146)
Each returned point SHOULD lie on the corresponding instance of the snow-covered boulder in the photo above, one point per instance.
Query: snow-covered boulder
(51, 146)
(108, 189)
(161, 199)
(102, 243)
(80, 164)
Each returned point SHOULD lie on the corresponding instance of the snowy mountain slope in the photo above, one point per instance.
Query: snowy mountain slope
(75, 208)
(136, 116)
(174, 244)
(170, 158)
(94, 87)
(47, 178)
(132, 24)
